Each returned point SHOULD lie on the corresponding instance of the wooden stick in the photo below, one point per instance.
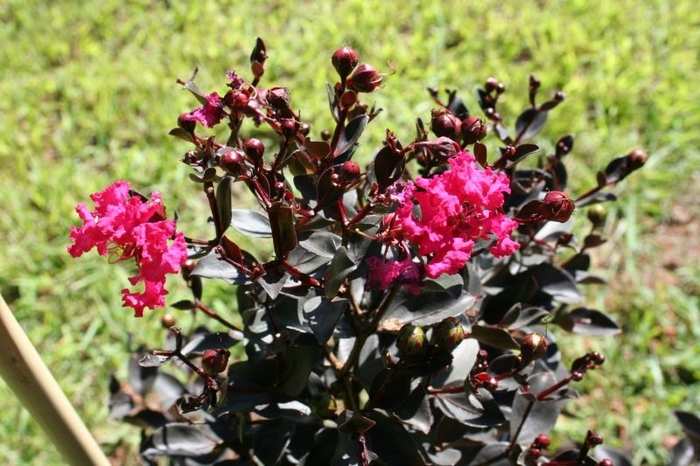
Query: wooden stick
(30, 380)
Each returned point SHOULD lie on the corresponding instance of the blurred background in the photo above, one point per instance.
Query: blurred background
(88, 94)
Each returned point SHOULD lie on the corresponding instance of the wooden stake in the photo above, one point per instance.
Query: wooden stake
(35, 387)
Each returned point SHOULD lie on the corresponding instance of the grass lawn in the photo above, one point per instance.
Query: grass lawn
(88, 95)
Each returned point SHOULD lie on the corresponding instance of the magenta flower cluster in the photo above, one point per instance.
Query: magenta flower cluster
(443, 215)
(124, 226)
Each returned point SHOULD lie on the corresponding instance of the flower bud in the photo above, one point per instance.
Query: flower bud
(532, 347)
(542, 441)
(637, 158)
(491, 84)
(254, 148)
(444, 123)
(348, 99)
(237, 99)
(289, 127)
(557, 206)
(167, 320)
(441, 148)
(485, 380)
(597, 214)
(349, 172)
(366, 78)
(232, 161)
(345, 60)
(188, 125)
(448, 334)
(473, 129)
(411, 340)
(278, 98)
(215, 361)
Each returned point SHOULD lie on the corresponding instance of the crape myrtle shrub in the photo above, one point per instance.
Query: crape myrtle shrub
(408, 315)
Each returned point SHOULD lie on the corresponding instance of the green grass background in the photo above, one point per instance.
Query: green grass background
(88, 95)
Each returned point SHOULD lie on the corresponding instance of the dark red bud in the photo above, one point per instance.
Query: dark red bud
(411, 340)
(533, 346)
(237, 99)
(326, 135)
(185, 124)
(542, 441)
(215, 361)
(349, 171)
(448, 334)
(637, 158)
(278, 98)
(559, 96)
(577, 376)
(444, 123)
(254, 148)
(485, 380)
(491, 85)
(605, 462)
(557, 206)
(593, 440)
(366, 78)
(597, 358)
(442, 148)
(348, 99)
(289, 127)
(191, 157)
(473, 129)
(232, 161)
(534, 452)
(345, 60)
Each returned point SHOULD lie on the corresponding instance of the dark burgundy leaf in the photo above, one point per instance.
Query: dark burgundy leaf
(297, 363)
(349, 137)
(494, 336)
(585, 321)
(564, 146)
(541, 417)
(223, 201)
(141, 377)
(152, 360)
(177, 439)
(322, 315)
(529, 123)
(251, 223)
(476, 410)
(212, 266)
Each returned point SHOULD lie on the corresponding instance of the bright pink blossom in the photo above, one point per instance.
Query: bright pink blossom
(385, 273)
(210, 113)
(444, 215)
(123, 226)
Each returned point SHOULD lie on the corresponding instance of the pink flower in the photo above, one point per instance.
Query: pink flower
(123, 226)
(210, 114)
(383, 274)
(444, 215)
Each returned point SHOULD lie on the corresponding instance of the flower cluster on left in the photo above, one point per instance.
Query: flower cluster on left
(126, 225)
